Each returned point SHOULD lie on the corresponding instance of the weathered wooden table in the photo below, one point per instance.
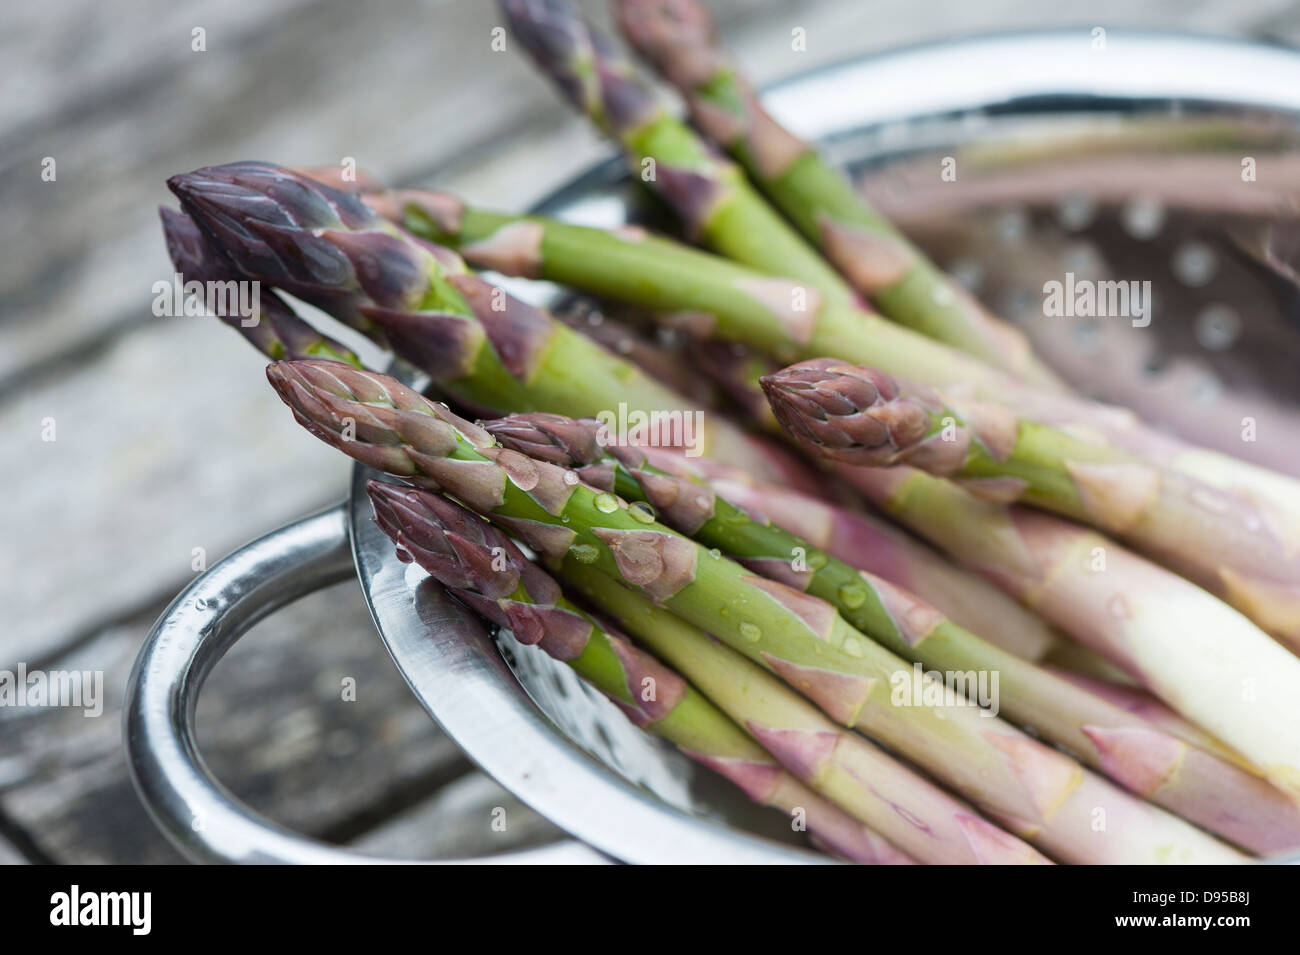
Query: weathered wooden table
(168, 452)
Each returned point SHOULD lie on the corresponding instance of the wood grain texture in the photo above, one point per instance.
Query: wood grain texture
(167, 442)
(471, 816)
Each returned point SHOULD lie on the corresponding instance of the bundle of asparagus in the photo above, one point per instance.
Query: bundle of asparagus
(789, 639)
(1035, 792)
(484, 567)
(1107, 737)
(859, 416)
(1227, 527)
(813, 317)
(483, 347)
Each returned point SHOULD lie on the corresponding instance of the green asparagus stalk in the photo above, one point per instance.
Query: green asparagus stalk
(485, 569)
(868, 543)
(710, 195)
(1218, 795)
(863, 417)
(678, 38)
(920, 817)
(484, 348)
(706, 294)
(1041, 794)
(1200, 656)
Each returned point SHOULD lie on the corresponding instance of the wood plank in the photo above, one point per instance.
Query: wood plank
(9, 854)
(165, 443)
(413, 91)
(404, 91)
(467, 818)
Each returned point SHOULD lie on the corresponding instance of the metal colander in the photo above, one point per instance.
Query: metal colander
(1123, 162)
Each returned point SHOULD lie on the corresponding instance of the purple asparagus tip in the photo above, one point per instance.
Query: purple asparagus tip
(191, 253)
(457, 547)
(583, 62)
(677, 36)
(325, 246)
(480, 564)
(554, 438)
(384, 424)
(846, 411)
(551, 31)
(270, 194)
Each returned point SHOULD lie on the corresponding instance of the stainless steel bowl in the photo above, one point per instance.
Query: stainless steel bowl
(1016, 113)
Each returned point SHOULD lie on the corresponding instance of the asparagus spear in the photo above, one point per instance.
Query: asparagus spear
(1040, 793)
(484, 568)
(861, 416)
(481, 346)
(710, 195)
(678, 38)
(710, 295)
(1200, 656)
(1218, 795)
